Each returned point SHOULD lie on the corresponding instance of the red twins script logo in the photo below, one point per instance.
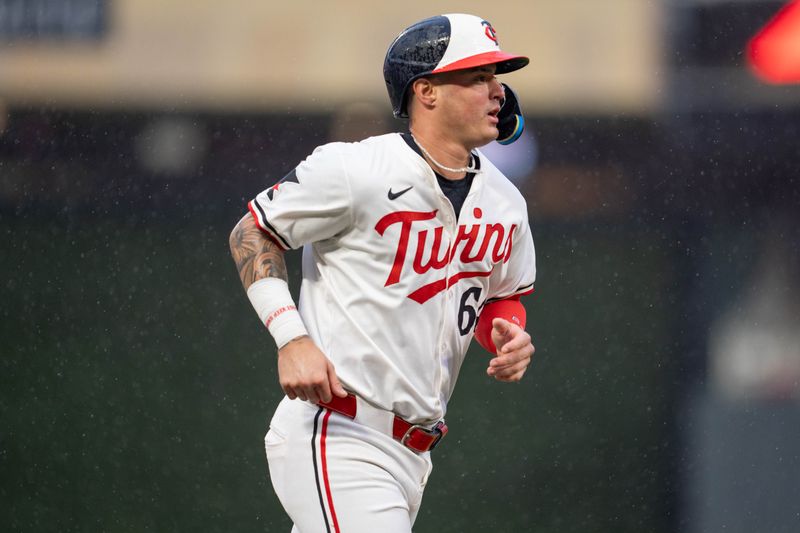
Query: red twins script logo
(473, 242)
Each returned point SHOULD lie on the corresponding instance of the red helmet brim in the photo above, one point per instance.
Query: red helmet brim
(505, 62)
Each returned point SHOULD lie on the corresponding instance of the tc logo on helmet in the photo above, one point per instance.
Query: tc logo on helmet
(490, 33)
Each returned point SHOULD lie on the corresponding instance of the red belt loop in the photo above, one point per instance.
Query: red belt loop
(412, 436)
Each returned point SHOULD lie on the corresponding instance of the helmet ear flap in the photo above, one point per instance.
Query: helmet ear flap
(511, 123)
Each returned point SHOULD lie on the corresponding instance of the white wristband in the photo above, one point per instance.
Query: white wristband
(273, 302)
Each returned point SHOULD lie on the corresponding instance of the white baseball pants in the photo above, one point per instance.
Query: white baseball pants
(337, 475)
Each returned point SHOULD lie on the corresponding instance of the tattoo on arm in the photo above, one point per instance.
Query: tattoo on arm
(255, 255)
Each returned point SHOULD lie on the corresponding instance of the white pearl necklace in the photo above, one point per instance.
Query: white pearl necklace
(471, 168)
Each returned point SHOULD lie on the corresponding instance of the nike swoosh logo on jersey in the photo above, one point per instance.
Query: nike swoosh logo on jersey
(395, 195)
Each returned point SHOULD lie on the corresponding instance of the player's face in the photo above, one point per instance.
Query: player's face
(469, 105)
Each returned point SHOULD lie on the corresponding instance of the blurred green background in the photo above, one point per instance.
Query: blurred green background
(137, 386)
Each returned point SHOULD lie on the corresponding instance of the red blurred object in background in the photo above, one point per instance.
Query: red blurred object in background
(774, 52)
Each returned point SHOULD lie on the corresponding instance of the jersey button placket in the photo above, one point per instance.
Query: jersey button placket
(452, 227)
(448, 218)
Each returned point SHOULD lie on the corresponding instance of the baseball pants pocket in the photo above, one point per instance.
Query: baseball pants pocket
(275, 440)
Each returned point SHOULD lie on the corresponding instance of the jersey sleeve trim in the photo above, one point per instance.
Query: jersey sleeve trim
(260, 218)
(521, 291)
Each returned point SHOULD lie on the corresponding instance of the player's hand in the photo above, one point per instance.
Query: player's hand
(514, 351)
(304, 372)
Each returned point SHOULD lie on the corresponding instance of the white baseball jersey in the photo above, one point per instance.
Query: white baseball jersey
(392, 282)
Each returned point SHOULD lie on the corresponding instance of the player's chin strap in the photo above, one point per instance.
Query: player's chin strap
(511, 122)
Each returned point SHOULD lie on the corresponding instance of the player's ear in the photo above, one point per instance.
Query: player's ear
(423, 90)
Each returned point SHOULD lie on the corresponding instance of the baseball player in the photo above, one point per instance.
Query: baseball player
(413, 244)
